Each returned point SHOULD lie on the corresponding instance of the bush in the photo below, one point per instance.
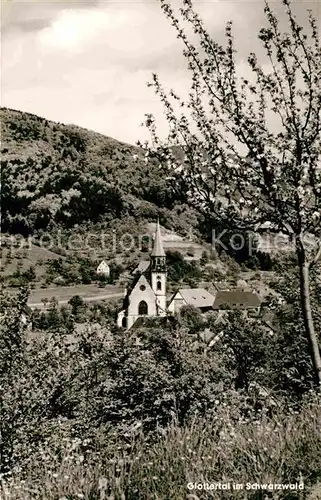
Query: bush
(191, 318)
(284, 449)
(102, 410)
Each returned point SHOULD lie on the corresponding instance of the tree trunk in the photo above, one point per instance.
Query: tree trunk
(307, 311)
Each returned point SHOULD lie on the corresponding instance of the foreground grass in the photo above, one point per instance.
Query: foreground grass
(218, 450)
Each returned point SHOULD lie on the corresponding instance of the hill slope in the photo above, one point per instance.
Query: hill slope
(63, 175)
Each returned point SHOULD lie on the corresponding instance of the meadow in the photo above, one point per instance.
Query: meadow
(223, 450)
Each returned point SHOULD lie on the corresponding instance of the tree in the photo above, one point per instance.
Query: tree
(77, 305)
(250, 148)
(191, 318)
(156, 376)
(12, 346)
(34, 371)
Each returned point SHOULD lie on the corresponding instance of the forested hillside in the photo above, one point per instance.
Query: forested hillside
(54, 174)
(97, 412)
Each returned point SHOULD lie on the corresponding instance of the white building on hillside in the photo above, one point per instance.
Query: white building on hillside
(103, 269)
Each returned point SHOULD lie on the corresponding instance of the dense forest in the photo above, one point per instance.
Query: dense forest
(62, 175)
(57, 176)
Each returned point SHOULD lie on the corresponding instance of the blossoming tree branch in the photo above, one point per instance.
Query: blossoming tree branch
(250, 148)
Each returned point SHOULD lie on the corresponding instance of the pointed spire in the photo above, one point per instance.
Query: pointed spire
(158, 250)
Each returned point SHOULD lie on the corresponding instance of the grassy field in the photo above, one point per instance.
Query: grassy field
(64, 293)
(283, 450)
(25, 257)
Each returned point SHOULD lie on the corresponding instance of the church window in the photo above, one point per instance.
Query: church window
(143, 308)
(159, 285)
(142, 288)
(124, 322)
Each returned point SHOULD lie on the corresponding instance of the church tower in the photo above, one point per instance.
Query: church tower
(159, 272)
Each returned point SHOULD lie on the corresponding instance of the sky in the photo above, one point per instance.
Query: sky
(88, 62)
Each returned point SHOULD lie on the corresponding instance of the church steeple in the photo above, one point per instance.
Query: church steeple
(158, 272)
(158, 250)
(158, 256)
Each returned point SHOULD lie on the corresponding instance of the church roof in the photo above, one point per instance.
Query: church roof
(158, 250)
(138, 278)
(103, 265)
(197, 297)
(236, 299)
(142, 267)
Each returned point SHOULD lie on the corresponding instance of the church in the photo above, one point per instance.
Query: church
(147, 294)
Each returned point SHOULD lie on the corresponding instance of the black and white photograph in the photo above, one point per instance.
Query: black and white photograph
(160, 301)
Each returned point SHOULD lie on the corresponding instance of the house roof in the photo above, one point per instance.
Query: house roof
(222, 285)
(142, 267)
(236, 298)
(197, 297)
(158, 249)
(103, 263)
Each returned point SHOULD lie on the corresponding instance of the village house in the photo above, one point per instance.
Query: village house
(103, 269)
(237, 299)
(196, 297)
